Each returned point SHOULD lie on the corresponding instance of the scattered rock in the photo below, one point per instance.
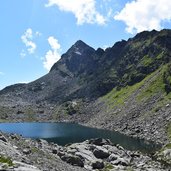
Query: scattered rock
(120, 161)
(55, 151)
(112, 157)
(97, 164)
(20, 112)
(2, 138)
(100, 141)
(74, 160)
(26, 151)
(101, 152)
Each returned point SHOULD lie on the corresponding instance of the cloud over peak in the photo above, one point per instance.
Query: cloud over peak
(52, 55)
(27, 38)
(84, 10)
(142, 15)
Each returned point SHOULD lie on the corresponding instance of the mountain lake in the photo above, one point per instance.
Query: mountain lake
(64, 133)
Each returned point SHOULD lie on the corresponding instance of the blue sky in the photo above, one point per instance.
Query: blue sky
(34, 33)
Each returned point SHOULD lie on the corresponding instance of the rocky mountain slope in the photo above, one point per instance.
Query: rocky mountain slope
(125, 87)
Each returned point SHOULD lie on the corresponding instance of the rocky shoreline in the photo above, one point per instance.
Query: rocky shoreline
(18, 153)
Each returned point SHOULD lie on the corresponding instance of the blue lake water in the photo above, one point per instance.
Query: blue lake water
(64, 133)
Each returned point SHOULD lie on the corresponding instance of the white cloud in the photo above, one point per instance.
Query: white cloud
(27, 38)
(142, 15)
(52, 55)
(84, 10)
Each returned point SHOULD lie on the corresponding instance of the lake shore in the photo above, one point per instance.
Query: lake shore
(19, 152)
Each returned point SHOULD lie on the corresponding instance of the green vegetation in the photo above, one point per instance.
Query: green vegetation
(154, 86)
(168, 146)
(161, 83)
(169, 132)
(107, 167)
(6, 160)
(35, 150)
(158, 82)
(118, 97)
(146, 60)
(160, 56)
(130, 169)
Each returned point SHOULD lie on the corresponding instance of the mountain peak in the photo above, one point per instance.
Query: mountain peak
(78, 55)
(80, 43)
(79, 46)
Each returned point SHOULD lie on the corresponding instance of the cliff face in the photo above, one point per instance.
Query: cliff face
(124, 87)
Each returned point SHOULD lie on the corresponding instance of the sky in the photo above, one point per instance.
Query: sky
(35, 33)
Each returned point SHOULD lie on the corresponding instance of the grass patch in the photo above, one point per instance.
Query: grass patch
(168, 146)
(34, 149)
(6, 160)
(118, 97)
(157, 85)
(146, 60)
(154, 85)
(108, 167)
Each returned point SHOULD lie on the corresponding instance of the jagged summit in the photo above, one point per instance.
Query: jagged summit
(76, 57)
(79, 48)
(80, 43)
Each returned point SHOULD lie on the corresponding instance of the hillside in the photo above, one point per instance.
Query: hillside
(125, 87)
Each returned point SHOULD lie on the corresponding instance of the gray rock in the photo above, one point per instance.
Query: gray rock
(55, 151)
(167, 153)
(101, 152)
(2, 138)
(61, 153)
(26, 151)
(112, 157)
(120, 161)
(71, 151)
(100, 141)
(86, 155)
(74, 160)
(97, 164)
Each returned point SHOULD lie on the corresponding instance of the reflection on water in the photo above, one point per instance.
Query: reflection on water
(64, 133)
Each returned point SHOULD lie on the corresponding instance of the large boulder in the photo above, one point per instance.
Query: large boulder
(74, 160)
(97, 164)
(86, 155)
(101, 152)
